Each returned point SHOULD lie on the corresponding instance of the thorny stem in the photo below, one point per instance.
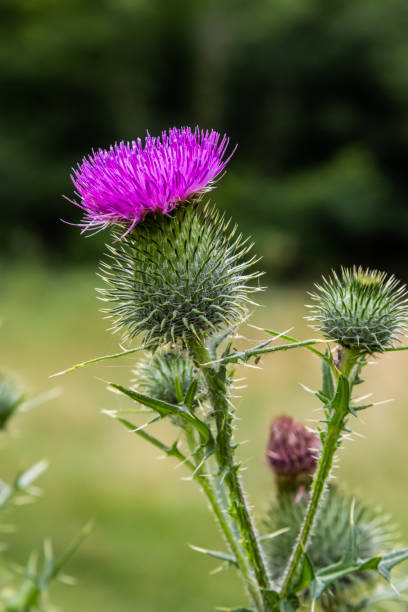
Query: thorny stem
(229, 471)
(210, 489)
(218, 508)
(331, 443)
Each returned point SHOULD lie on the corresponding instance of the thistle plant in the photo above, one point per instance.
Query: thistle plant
(25, 589)
(178, 282)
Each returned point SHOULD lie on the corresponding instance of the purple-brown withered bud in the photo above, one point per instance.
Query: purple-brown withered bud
(292, 452)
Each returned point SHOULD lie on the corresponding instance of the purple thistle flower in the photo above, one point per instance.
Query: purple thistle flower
(128, 181)
(291, 448)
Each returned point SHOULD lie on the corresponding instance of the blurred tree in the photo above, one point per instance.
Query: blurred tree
(315, 93)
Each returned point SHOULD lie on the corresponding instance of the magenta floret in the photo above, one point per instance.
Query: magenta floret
(126, 182)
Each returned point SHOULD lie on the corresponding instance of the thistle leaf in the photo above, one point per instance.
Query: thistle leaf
(390, 560)
(221, 556)
(25, 479)
(97, 360)
(165, 409)
(190, 394)
(307, 574)
(261, 349)
(327, 384)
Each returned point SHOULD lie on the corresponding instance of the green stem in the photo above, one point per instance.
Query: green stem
(219, 511)
(234, 545)
(229, 471)
(331, 443)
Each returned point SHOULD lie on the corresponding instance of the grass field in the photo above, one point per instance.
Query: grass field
(137, 559)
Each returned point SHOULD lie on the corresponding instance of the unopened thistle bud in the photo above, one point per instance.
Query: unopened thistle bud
(330, 541)
(363, 310)
(292, 452)
(177, 278)
(11, 397)
(166, 376)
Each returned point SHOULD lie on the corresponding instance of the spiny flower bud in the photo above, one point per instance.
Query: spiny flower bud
(10, 399)
(292, 449)
(165, 376)
(330, 541)
(177, 278)
(363, 310)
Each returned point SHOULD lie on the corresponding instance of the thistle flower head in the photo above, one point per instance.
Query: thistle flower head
(166, 376)
(175, 279)
(330, 541)
(123, 184)
(363, 310)
(292, 449)
(11, 397)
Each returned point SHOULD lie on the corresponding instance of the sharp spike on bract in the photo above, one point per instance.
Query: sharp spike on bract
(172, 279)
(363, 310)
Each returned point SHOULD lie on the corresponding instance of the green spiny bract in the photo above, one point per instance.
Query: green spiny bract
(329, 541)
(178, 277)
(363, 310)
(11, 397)
(166, 376)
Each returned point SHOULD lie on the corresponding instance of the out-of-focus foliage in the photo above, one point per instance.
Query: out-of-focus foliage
(315, 93)
(24, 588)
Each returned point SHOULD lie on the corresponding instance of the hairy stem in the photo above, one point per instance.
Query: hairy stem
(229, 470)
(331, 443)
(209, 488)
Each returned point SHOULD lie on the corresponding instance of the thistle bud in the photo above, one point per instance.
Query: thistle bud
(165, 376)
(330, 541)
(363, 310)
(292, 452)
(10, 398)
(177, 278)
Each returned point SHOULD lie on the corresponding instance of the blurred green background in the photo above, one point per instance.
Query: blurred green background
(315, 93)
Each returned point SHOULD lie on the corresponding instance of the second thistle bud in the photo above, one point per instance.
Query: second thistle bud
(363, 310)
(165, 376)
(292, 452)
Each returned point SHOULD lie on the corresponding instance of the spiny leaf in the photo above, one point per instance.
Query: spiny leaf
(97, 360)
(291, 339)
(68, 553)
(221, 556)
(327, 384)
(307, 574)
(325, 577)
(164, 408)
(190, 394)
(261, 349)
(349, 564)
(25, 479)
(172, 451)
(38, 400)
(390, 560)
(341, 400)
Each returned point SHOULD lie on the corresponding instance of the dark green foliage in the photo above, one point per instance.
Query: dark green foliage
(318, 167)
(330, 540)
(363, 310)
(23, 589)
(179, 277)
